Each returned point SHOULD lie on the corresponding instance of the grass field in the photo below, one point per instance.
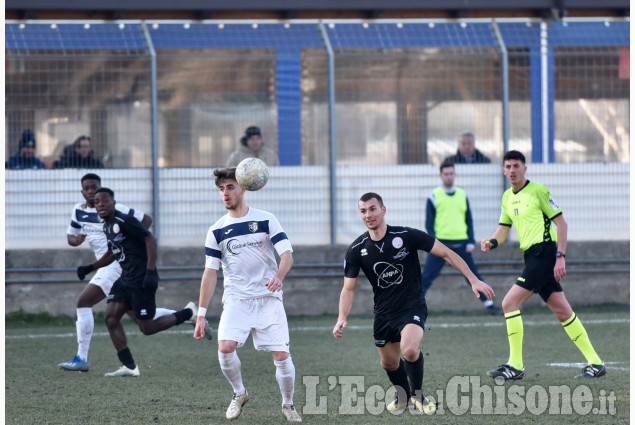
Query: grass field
(181, 382)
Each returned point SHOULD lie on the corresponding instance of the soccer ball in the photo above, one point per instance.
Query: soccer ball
(252, 174)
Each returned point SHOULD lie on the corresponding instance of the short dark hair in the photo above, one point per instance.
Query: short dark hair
(446, 164)
(370, 195)
(105, 190)
(514, 155)
(79, 139)
(91, 176)
(222, 174)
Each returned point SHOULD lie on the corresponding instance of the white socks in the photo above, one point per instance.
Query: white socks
(160, 312)
(285, 375)
(230, 365)
(85, 325)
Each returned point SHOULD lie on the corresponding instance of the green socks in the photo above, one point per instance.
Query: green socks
(515, 335)
(578, 335)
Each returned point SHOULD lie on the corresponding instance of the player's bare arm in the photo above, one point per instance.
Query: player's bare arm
(146, 221)
(76, 240)
(457, 262)
(151, 249)
(208, 285)
(560, 270)
(500, 236)
(286, 262)
(346, 303)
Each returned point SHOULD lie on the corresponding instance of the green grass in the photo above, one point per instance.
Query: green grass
(181, 382)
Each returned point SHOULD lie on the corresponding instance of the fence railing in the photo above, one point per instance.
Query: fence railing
(347, 105)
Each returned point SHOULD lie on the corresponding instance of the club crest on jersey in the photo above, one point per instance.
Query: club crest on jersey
(554, 204)
(115, 228)
(397, 242)
(253, 226)
(516, 212)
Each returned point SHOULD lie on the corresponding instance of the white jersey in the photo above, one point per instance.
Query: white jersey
(244, 246)
(85, 220)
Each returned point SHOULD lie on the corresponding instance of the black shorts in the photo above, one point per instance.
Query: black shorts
(537, 275)
(142, 302)
(388, 328)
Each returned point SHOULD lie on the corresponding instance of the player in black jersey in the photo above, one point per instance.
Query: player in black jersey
(135, 248)
(388, 257)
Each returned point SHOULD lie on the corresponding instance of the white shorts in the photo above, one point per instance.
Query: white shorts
(264, 317)
(106, 277)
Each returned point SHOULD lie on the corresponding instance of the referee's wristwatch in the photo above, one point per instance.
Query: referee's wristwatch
(560, 254)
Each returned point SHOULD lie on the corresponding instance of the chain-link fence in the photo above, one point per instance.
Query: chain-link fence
(348, 106)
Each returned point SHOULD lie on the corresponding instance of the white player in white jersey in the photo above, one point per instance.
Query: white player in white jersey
(87, 225)
(243, 241)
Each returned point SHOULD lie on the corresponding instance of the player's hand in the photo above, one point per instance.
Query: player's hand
(274, 284)
(485, 245)
(338, 329)
(483, 288)
(82, 271)
(560, 270)
(199, 331)
(151, 280)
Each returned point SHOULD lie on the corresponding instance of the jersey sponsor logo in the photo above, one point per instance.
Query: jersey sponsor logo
(397, 242)
(117, 251)
(364, 252)
(554, 204)
(233, 246)
(401, 254)
(253, 226)
(388, 274)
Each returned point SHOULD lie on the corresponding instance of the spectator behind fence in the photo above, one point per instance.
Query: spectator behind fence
(252, 146)
(25, 157)
(78, 155)
(467, 152)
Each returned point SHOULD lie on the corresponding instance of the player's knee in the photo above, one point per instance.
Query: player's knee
(411, 353)
(389, 365)
(226, 347)
(280, 356)
(147, 328)
(111, 321)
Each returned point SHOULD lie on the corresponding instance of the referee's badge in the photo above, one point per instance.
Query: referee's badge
(397, 242)
(253, 226)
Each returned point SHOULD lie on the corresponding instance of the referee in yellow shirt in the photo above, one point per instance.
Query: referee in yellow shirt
(530, 207)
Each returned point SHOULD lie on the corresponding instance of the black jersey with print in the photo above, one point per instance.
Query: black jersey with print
(126, 239)
(392, 266)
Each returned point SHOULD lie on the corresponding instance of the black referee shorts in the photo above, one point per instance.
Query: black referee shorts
(388, 328)
(142, 302)
(537, 275)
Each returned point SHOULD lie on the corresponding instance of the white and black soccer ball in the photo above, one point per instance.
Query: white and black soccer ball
(252, 174)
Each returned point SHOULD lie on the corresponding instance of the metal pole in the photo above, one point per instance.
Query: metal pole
(505, 89)
(155, 131)
(544, 90)
(332, 163)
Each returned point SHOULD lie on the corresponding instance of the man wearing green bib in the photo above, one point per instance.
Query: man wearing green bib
(449, 219)
(530, 207)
